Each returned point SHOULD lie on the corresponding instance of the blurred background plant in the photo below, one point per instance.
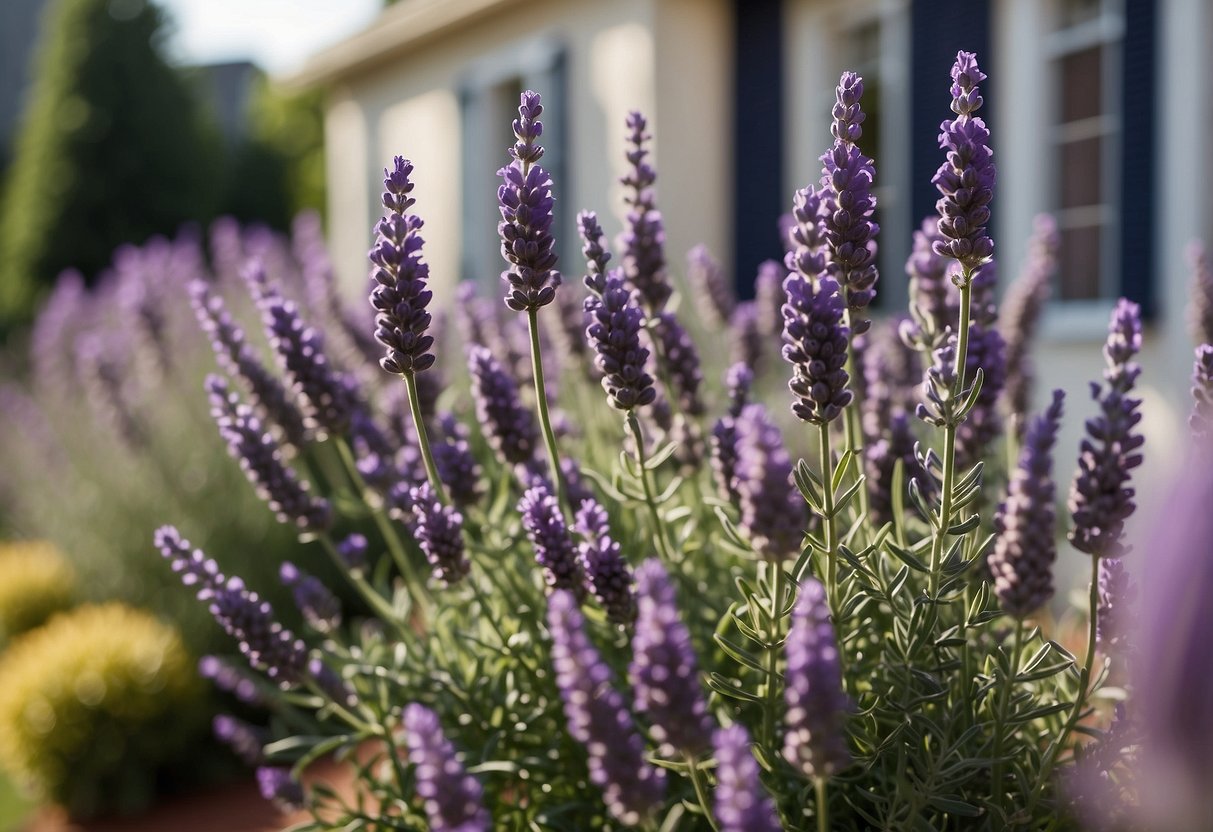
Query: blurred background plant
(37, 584)
(96, 706)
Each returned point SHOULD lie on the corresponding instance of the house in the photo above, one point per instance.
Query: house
(1100, 111)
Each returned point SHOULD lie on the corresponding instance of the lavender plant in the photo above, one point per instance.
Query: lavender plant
(627, 634)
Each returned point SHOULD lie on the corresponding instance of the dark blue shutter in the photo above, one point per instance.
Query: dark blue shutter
(758, 197)
(938, 30)
(1137, 191)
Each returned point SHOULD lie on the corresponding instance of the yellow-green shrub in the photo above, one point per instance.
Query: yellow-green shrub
(93, 703)
(35, 583)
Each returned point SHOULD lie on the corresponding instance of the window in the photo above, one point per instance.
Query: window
(489, 104)
(1085, 52)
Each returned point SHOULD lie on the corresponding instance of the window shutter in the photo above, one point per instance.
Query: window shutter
(938, 30)
(1137, 204)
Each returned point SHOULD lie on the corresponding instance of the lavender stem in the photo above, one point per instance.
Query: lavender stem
(1004, 698)
(828, 521)
(663, 547)
(545, 420)
(773, 693)
(701, 794)
(823, 809)
(949, 441)
(423, 441)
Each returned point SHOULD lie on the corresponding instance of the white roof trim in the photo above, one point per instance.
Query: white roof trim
(404, 24)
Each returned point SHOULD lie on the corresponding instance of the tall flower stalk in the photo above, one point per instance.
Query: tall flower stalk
(400, 299)
(965, 182)
(525, 201)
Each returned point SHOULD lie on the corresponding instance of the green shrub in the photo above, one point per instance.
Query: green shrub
(93, 704)
(37, 583)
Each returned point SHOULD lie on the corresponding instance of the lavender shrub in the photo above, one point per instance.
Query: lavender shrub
(626, 634)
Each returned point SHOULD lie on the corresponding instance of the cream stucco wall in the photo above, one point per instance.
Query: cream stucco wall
(668, 58)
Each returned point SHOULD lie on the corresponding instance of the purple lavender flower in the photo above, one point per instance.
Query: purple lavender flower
(1117, 596)
(242, 614)
(400, 296)
(930, 306)
(374, 453)
(614, 331)
(261, 460)
(1100, 498)
(848, 204)
(1201, 419)
(457, 467)
(746, 344)
(1172, 679)
(881, 454)
(723, 441)
(815, 742)
(525, 201)
(1201, 314)
(237, 358)
(805, 235)
(230, 679)
(452, 797)
(664, 671)
(246, 741)
(599, 719)
(318, 606)
(966, 180)
(508, 426)
(739, 381)
(280, 787)
(1022, 561)
(352, 551)
(607, 575)
(773, 514)
(1021, 310)
(330, 396)
(643, 237)
(439, 532)
(982, 425)
(595, 251)
(741, 803)
(681, 362)
(546, 529)
(815, 344)
(937, 384)
(711, 291)
(769, 297)
(101, 360)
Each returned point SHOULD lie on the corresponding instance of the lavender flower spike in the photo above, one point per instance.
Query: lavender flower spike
(741, 803)
(714, 297)
(965, 180)
(439, 532)
(773, 514)
(330, 396)
(723, 441)
(608, 576)
(614, 331)
(1117, 595)
(1022, 561)
(1201, 420)
(681, 362)
(1100, 497)
(318, 606)
(261, 460)
(1201, 320)
(931, 311)
(508, 426)
(848, 204)
(278, 786)
(400, 296)
(451, 796)
(664, 671)
(237, 358)
(242, 614)
(1021, 310)
(815, 742)
(643, 238)
(525, 201)
(815, 344)
(595, 251)
(599, 719)
(549, 535)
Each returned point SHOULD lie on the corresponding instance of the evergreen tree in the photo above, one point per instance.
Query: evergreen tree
(114, 148)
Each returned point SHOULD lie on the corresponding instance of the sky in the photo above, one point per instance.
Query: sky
(278, 35)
